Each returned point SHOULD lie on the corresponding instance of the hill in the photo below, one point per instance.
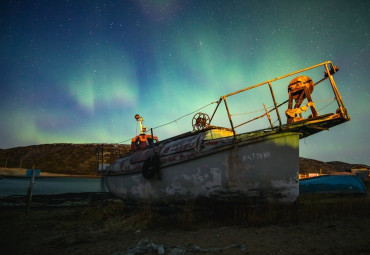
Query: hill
(81, 159)
(314, 166)
(75, 159)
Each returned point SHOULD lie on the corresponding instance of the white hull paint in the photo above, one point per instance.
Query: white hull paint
(263, 170)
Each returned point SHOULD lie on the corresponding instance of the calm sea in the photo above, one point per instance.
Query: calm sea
(48, 186)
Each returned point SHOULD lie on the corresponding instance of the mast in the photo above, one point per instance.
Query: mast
(140, 120)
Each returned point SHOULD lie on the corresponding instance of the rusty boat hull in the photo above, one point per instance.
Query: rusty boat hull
(261, 168)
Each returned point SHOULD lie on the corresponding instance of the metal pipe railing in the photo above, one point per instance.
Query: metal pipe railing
(278, 78)
(329, 74)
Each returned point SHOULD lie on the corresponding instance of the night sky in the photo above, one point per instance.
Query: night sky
(78, 71)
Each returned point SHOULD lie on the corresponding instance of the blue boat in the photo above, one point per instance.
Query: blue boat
(333, 184)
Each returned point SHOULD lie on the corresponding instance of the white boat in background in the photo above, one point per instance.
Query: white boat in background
(216, 163)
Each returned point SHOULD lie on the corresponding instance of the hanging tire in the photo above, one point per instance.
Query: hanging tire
(150, 167)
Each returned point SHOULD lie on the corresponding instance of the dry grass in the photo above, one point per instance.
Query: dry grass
(115, 216)
(112, 217)
(106, 226)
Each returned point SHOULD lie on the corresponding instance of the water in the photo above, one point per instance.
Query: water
(49, 186)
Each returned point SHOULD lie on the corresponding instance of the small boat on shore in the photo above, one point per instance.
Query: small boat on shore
(217, 163)
(333, 184)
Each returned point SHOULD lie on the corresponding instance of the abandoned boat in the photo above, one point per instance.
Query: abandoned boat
(217, 163)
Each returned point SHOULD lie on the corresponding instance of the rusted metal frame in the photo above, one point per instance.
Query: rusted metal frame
(277, 110)
(319, 128)
(214, 112)
(256, 118)
(323, 79)
(268, 116)
(305, 123)
(334, 87)
(261, 115)
(278, 78)
(229, 115)
(272, 93)
(336, 92)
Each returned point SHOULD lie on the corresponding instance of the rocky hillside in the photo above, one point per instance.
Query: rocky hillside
(81, 159)
(314, 166)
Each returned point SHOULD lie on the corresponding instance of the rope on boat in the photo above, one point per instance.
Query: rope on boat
(175, 119)
(272, 107)
(182, 116)
(332, 101)
(246, 113)
(125, 141)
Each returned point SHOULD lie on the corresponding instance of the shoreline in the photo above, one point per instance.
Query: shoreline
(21, 173)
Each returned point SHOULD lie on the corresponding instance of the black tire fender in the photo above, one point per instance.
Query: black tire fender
(150, 167)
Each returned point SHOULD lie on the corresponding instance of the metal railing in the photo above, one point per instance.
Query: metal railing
(330, 70)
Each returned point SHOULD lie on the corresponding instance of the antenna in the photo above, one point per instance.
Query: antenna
(140, 120)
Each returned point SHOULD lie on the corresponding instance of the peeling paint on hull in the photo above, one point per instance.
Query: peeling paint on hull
(261, 170)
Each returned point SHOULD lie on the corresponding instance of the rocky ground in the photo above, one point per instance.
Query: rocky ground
(104, 225)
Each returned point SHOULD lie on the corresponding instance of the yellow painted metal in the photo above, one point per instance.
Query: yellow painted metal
(337, 94)
(217, 133)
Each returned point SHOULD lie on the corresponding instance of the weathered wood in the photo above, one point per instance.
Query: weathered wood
(29, 191)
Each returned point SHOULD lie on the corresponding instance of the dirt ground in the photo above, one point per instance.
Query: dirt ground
(109, 227)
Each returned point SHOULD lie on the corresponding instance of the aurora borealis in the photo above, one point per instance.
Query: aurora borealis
(78, 71)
